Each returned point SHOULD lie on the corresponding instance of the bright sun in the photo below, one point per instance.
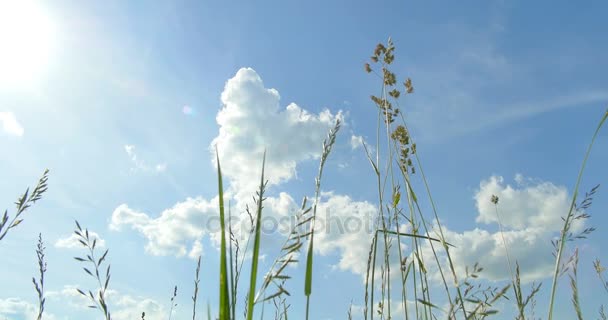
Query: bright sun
(26, 39)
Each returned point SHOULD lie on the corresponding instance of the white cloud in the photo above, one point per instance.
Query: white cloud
(71, 241)
(197, 250)
(252, 121)
(122, 306)
(345, 226)
(356, 142)
(10, 125)
(530, 213)
(531, 248)
(128, 307)
(178, 230)
(21, 309)
(173, 232)
(526, 205)
(140, 165)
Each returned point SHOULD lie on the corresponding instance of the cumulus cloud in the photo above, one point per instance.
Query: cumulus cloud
(251, 121)
(345, 227)
(530, 212)
(174, 230)
(178, 230)
(140, 165)
(527, 204)
(71, 241)
(129, 307)
(10, 125)
(122, 306)
(21, 309)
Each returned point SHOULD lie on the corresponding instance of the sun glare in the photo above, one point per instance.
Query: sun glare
(26, 39)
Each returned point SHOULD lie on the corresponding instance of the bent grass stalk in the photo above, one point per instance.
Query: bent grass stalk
(98, 300)
(23, 203)
(569, 217)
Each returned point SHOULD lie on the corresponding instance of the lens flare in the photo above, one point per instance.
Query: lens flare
(188, 110)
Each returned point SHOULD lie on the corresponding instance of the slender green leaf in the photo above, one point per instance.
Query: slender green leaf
(224, 294)
(256, 245)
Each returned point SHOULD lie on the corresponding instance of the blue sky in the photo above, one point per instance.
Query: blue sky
(128, 97)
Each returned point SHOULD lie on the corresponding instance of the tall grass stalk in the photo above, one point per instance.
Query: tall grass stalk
(196, 283)
(574, 286)
(568, 219)
(23, 203)
(224, 293)
(98, 300)
(327, 146)
(256, 243)
(172, 302)
(233, 280)
(39, 284)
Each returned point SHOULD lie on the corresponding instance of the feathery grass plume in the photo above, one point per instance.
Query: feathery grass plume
(280, 308)
(288, 255)
(98, 301)
(602, 313)
(400, 149)
(238, 266)
(196, 282)
(326, 150)
(574, 286)
(481, 298)
(23, 203)
(172, 301)
(39, 285)
(224, 293)
(599, 270)
(231, 264)
(256, 242)
(570, 216)
(384, 56)
(519, 299)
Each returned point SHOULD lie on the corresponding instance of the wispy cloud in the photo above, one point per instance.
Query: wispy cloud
(140, 165)
(356, 142)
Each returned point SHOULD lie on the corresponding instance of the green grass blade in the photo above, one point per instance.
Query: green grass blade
(224, 294)
(570, 215)
(232, 282)
(327, 146)
(256, 246)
